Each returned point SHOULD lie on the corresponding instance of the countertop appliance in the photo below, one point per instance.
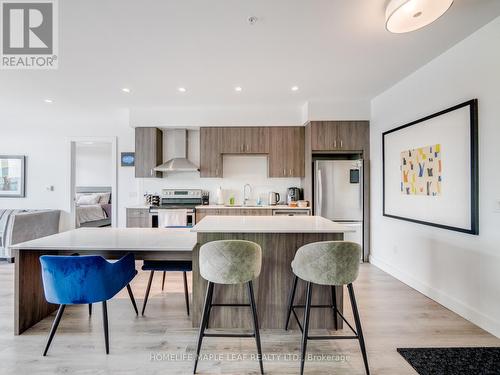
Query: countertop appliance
(205, 198)
(338, 193)
(274, 198)
(184, 200)
(293, 194)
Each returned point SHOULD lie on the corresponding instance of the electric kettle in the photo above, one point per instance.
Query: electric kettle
(274, 198)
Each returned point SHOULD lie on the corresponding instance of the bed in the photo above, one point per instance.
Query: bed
(93, 206)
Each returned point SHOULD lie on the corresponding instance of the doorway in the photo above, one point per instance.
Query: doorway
(93, 182)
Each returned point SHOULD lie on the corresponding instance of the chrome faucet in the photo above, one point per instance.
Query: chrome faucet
(246, 197)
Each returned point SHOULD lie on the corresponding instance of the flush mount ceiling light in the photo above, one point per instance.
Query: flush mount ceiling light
(238, 89)
(295, 88)
(182, 89)
(49, 101)
(403, 16)
(126, 90)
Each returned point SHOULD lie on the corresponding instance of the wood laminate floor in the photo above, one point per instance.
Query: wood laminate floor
(162, 342)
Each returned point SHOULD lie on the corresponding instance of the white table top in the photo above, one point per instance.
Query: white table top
(268, 224)
(122, 239)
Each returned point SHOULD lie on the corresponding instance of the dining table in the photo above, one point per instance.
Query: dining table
(30, 305)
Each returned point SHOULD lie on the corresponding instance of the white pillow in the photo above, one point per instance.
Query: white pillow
(88, 199)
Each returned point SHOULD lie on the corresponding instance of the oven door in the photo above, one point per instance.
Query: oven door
(174, 218)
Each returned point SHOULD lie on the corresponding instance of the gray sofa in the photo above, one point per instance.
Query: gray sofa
(25, 225)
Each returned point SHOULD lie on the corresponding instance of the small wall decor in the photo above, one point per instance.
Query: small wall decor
(430, 170)
(12, 176)
(127, 159)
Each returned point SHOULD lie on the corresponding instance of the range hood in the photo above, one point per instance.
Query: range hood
(180, 162)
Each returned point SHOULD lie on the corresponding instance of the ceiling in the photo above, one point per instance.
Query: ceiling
(331, 49)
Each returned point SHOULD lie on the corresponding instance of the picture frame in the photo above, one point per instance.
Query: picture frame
(12, 176)
(430, 170)
(127, 159)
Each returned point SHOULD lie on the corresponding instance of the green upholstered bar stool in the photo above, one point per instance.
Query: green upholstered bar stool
(333, 263)
(229, 262)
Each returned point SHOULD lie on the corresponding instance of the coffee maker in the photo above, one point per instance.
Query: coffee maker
(293, 194)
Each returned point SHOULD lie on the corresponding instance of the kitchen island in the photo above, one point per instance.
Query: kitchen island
(279, 237)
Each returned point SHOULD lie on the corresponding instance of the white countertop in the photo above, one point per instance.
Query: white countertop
(277, 207)
(123, 239)
(268, 224)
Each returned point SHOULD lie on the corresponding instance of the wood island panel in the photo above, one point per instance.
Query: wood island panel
(272, 287)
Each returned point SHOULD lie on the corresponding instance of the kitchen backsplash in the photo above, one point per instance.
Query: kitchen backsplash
(238, 171)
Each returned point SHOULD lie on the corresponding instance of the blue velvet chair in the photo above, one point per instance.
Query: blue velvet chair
(167, 266)
(74, 280)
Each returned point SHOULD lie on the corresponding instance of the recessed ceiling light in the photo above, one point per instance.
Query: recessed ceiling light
(295, 88)
(402, 16)
(126, 89)
(50, 101)
(238, 89)
(182, 89)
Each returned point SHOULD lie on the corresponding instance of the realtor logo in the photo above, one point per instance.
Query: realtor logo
(29, 34)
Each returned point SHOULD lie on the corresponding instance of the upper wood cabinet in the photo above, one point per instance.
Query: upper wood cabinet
(284, 145)
(339, 135)
(245, 140)
(148, 151)
(210, 152)
(286, 152)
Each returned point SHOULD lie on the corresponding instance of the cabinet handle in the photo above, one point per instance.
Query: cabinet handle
(248, 148)
(291, 174)
(341, 143)
(335, 144)
(151, 172)
(284, 172)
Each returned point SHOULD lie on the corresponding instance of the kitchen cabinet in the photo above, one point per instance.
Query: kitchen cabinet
(245, 140)
(148, 151)
(339, 135)
(286, 152)
(202, 212)
(210, 152)
(139, 218)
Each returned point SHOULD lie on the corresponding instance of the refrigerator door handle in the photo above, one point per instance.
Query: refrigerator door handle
(320, 193)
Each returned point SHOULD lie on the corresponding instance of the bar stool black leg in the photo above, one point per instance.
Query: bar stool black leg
(163, 282)
(358, 327)
(334, 304)
(105, 321)
(305, 327)
(291, 298)
(147, 291)
(206, 306)
(53, 330)
(90, 309)
(131, 295)
(186, 292)
(255, 325)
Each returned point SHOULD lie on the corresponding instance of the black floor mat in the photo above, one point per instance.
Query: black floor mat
(453, 361)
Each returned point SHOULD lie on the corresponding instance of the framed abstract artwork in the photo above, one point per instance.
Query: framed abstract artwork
(431, 172)
(127, 159)
(12, 176)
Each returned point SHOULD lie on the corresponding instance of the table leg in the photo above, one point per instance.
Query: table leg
(30, 305)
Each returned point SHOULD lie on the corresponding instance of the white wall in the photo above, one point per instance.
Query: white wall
(238, 171)
(93, 164)
(460, 271)
(42, 134)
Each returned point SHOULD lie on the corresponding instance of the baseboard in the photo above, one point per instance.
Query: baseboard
(467, 312)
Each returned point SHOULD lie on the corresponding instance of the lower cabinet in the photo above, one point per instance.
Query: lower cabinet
(139, 218)
(201, 213)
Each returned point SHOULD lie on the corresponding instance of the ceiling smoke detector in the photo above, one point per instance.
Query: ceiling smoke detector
(252, 20)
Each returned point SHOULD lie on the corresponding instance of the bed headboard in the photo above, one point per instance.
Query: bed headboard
(93, 189)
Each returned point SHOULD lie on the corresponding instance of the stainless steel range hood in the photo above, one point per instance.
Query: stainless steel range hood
(180, 162)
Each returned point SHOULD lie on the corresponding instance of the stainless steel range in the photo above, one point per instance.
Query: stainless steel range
(182, 200)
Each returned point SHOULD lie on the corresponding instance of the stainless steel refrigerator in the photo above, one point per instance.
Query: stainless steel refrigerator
(338, 194)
